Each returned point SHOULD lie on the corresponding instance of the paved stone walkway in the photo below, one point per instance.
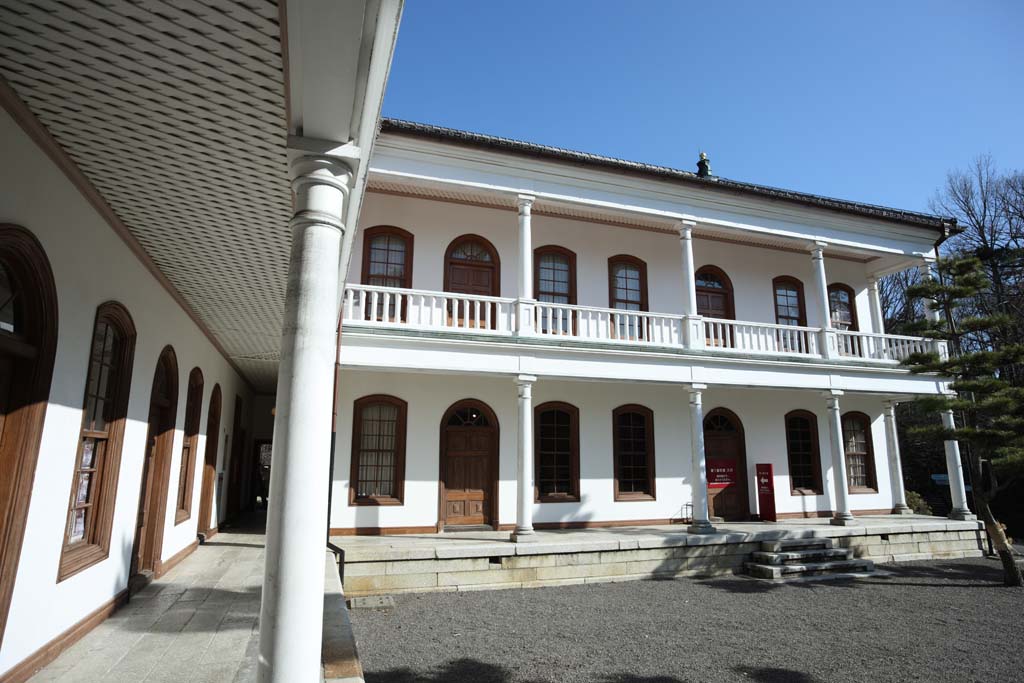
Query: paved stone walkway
(197, 623)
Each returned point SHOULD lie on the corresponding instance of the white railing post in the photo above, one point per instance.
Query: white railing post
(829, 342)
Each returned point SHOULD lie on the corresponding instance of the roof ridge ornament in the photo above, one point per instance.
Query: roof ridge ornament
(703, 166)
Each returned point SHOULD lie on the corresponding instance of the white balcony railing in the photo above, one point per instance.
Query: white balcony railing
(607, 324)
(761, 338)
(413, 308)
(365, 305)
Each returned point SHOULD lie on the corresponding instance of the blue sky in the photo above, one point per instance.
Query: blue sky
(867, 100)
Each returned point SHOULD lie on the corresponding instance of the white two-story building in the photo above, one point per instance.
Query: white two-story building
(539, 338)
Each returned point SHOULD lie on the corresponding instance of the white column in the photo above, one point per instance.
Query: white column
(955, 470)
(829, 341)
(693, 327)
(842, 515)
(524, 470)
(699, 524)
(291, 614)
(524, 307)
(875, 304)
(892, 444)
(930, 312)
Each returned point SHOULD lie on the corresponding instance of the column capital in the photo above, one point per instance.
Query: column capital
(526, 380)
(524, 202)
(817, 249)
(320, 169)
(696, 391)
(685, 227)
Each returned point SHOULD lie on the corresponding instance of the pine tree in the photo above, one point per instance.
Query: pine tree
(988, 404)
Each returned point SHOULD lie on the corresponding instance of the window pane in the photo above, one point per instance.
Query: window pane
(857, 450)
(8, 303)
(841, 309)
(77, 525)
(709, 280)
(802, 452)
(553, 278)
(787, 304)
(387, 261)
(554, 456)
(631, 437)
(471, 251)
(378, 448)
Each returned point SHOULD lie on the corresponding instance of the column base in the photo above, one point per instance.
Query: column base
(701, 527)
(524, 536)
(843, 519)
(963, 515)
(902, 510)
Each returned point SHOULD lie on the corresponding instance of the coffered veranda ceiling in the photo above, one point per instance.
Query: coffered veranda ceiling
(174, 110)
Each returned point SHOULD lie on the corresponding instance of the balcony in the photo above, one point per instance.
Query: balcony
(367, 306)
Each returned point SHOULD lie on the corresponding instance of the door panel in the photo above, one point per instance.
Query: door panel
(467, 475)
(727, 473)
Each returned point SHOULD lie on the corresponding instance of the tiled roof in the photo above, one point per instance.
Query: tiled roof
(713, 183)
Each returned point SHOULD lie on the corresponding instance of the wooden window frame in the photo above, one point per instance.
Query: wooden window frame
(484, 242)
(574, 453)
(630, 496)
(802, 302)
(401, 425)
(379, 231)
(731, 292)
(208, 487)
(189, 446)
(840, 287)
(815, 457)
(872, 477)
(95, 546)
(25, 414)
(570, 257)
(633, 261)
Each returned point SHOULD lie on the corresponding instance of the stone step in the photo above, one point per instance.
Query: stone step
(796, 544)
(786, 571)
(802, 556)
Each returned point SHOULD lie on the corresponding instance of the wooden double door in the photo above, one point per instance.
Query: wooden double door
(725, 453)
(469, 465)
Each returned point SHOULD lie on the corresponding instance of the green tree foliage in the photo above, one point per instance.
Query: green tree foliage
(983, 364)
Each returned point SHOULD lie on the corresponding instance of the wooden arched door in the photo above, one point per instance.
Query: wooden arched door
(469, 465)
(210, 465)
(156, 467)
(28, 340)
(715, 300)
(471, 266)
(725, 452)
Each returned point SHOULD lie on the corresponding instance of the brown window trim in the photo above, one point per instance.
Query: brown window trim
(731, 298)
(189, 445)
(378, 230)
(30, 394)
(626, 497)
(400, 435)
(872, 486)
(815, 460)
(486, 244)
(799, 286)
(570, 257)
(75, 557)
(839, 286)
(641, 266)
(574, 459)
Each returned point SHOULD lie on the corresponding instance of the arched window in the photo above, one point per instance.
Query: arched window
(472, 267)
(557, 457)
(189, 444)
(633, 452)
(387, 262)
(789, 301)
(28, 341)
(627, 290)
(842, 307)
(98, 461)
(860, 453)
(378, 451)
(802, 451)
(554, 281)
(714, 293)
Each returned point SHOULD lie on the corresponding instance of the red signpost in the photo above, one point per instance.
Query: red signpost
(766, 493)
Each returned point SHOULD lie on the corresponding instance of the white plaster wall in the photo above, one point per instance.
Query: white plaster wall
(92, 265)
(435, 224)
(429, 395)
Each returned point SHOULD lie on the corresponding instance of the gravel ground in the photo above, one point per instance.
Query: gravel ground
(930, 621)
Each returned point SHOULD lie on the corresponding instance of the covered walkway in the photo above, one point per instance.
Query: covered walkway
(196, 623)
